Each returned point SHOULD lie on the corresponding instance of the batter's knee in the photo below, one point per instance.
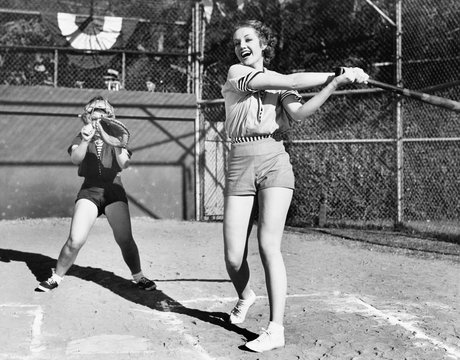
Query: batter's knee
(270, 251)
(234, 261)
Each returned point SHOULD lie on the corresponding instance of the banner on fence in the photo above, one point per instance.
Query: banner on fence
(92, 33)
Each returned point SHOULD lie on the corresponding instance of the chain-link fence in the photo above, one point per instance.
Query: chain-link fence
(431, 57)
(56, 55)
(131, 45)
(368, 157)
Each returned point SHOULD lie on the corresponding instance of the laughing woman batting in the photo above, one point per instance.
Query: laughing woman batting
(259, 102)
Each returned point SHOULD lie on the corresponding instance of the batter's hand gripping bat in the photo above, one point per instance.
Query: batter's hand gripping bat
(426, 98)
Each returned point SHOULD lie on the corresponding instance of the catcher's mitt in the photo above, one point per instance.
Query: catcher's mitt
(101, 115)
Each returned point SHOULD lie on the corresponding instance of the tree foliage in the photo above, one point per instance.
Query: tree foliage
(313, 35)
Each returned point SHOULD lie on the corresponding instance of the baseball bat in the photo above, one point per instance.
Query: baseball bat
(426, 98)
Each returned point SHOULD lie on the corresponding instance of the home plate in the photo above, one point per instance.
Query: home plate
(109, 344)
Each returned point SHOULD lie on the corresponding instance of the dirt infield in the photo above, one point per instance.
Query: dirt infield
(348, 298)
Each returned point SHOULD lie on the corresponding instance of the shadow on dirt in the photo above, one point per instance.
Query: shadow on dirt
(40, 266)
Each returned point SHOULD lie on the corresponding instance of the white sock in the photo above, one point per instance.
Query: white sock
(275, 327)
(138, 276)
(56, 278)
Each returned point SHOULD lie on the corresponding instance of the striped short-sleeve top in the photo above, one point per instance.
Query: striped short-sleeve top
(253, 112)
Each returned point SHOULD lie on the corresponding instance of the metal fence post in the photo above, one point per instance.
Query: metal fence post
(123, 70)
(399, 119)
(197, 53)
(55, 68)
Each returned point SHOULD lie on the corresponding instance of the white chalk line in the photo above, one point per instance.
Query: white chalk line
(35, 344)
(176, 324)
(234, 298)
(416, 332)
(341, 298)
(36, 312)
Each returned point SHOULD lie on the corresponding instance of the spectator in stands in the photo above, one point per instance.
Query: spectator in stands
(112, 81)
(150, 85)
(41, 74)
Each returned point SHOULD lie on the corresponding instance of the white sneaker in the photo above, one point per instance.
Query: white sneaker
(238, 314)
(269, 339)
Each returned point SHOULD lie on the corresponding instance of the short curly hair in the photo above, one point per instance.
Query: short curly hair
(265, 35)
